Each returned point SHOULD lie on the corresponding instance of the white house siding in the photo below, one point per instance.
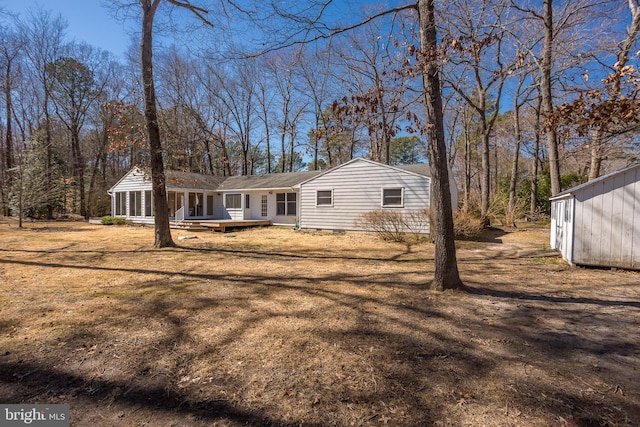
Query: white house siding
(604, 229)
(357, 188)
(136, 180)
(133, 181)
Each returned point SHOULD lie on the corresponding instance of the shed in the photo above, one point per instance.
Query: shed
(598, 223)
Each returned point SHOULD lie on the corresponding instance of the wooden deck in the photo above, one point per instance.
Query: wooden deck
(217, 225)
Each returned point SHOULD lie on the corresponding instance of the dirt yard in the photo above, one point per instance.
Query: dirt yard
(285, 328)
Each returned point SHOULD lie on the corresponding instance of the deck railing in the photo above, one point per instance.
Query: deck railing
(179, 215)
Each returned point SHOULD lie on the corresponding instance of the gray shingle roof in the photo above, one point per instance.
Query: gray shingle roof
(176, 179)
(422, 169)
(270, 181)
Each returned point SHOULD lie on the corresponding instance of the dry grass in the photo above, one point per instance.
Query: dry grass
(276, 327)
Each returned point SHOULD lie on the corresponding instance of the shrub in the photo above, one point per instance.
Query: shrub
(388, 225)
(466, 226)
(395, 226)
(110, 220)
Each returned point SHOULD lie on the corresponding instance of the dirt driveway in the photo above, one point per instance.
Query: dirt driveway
(277, 327)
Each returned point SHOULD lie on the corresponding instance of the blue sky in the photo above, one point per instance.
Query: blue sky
(88, 20)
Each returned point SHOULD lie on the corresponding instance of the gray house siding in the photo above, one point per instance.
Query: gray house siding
(604, 224)
(357, 188)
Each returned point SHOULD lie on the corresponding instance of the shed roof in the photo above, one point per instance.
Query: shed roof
(569, 192)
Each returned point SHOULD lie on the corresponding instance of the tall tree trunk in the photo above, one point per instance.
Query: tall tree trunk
(9, 110)
(513, 182)
(78, 165)
(596, 154)
(533, 208)
(161, 210)
(49, 145)
(467, 164)
(486, 176)
(8, 151)
(547, 99)
(446, 274)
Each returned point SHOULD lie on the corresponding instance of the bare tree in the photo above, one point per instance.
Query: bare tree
(619, 70)
(446, 274)
(45, 35)
(76, 85)
(315, 71)
(161, 211)
(479, 73)
(378, 103)
(305, 25)
(10, 50)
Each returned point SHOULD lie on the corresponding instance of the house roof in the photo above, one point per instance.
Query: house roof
(569, 192)
(274, 181)
(418, 169)
(193, 180)
(266, 182)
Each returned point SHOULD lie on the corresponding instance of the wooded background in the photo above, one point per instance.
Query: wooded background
(520, 80)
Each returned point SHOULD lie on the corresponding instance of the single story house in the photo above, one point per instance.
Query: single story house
(331, 199)
(598, 223)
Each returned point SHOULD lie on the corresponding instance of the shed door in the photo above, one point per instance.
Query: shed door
(559, 221)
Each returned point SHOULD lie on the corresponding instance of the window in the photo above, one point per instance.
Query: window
(392, 197)
(286, 204)
(264, 206)
(135, 203)
(247, 201)
(148, 207)
(209, 205)
(324, 198)
(233, 201)
(121, 203)
(195, 204)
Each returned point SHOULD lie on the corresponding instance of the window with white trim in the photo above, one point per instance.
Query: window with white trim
(121, 203)
(392, 197)
(286, 204)
(324, 198)
(233, 201)
(148, 206)
(135, 203)
(247, 201)
(196, 201)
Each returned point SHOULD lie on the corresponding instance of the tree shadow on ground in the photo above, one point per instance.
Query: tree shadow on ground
(339, 348)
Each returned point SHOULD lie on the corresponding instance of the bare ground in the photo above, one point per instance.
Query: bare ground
(277, 327)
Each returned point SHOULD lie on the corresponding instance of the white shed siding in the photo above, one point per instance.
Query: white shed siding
(606, 227)
(357, 188)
